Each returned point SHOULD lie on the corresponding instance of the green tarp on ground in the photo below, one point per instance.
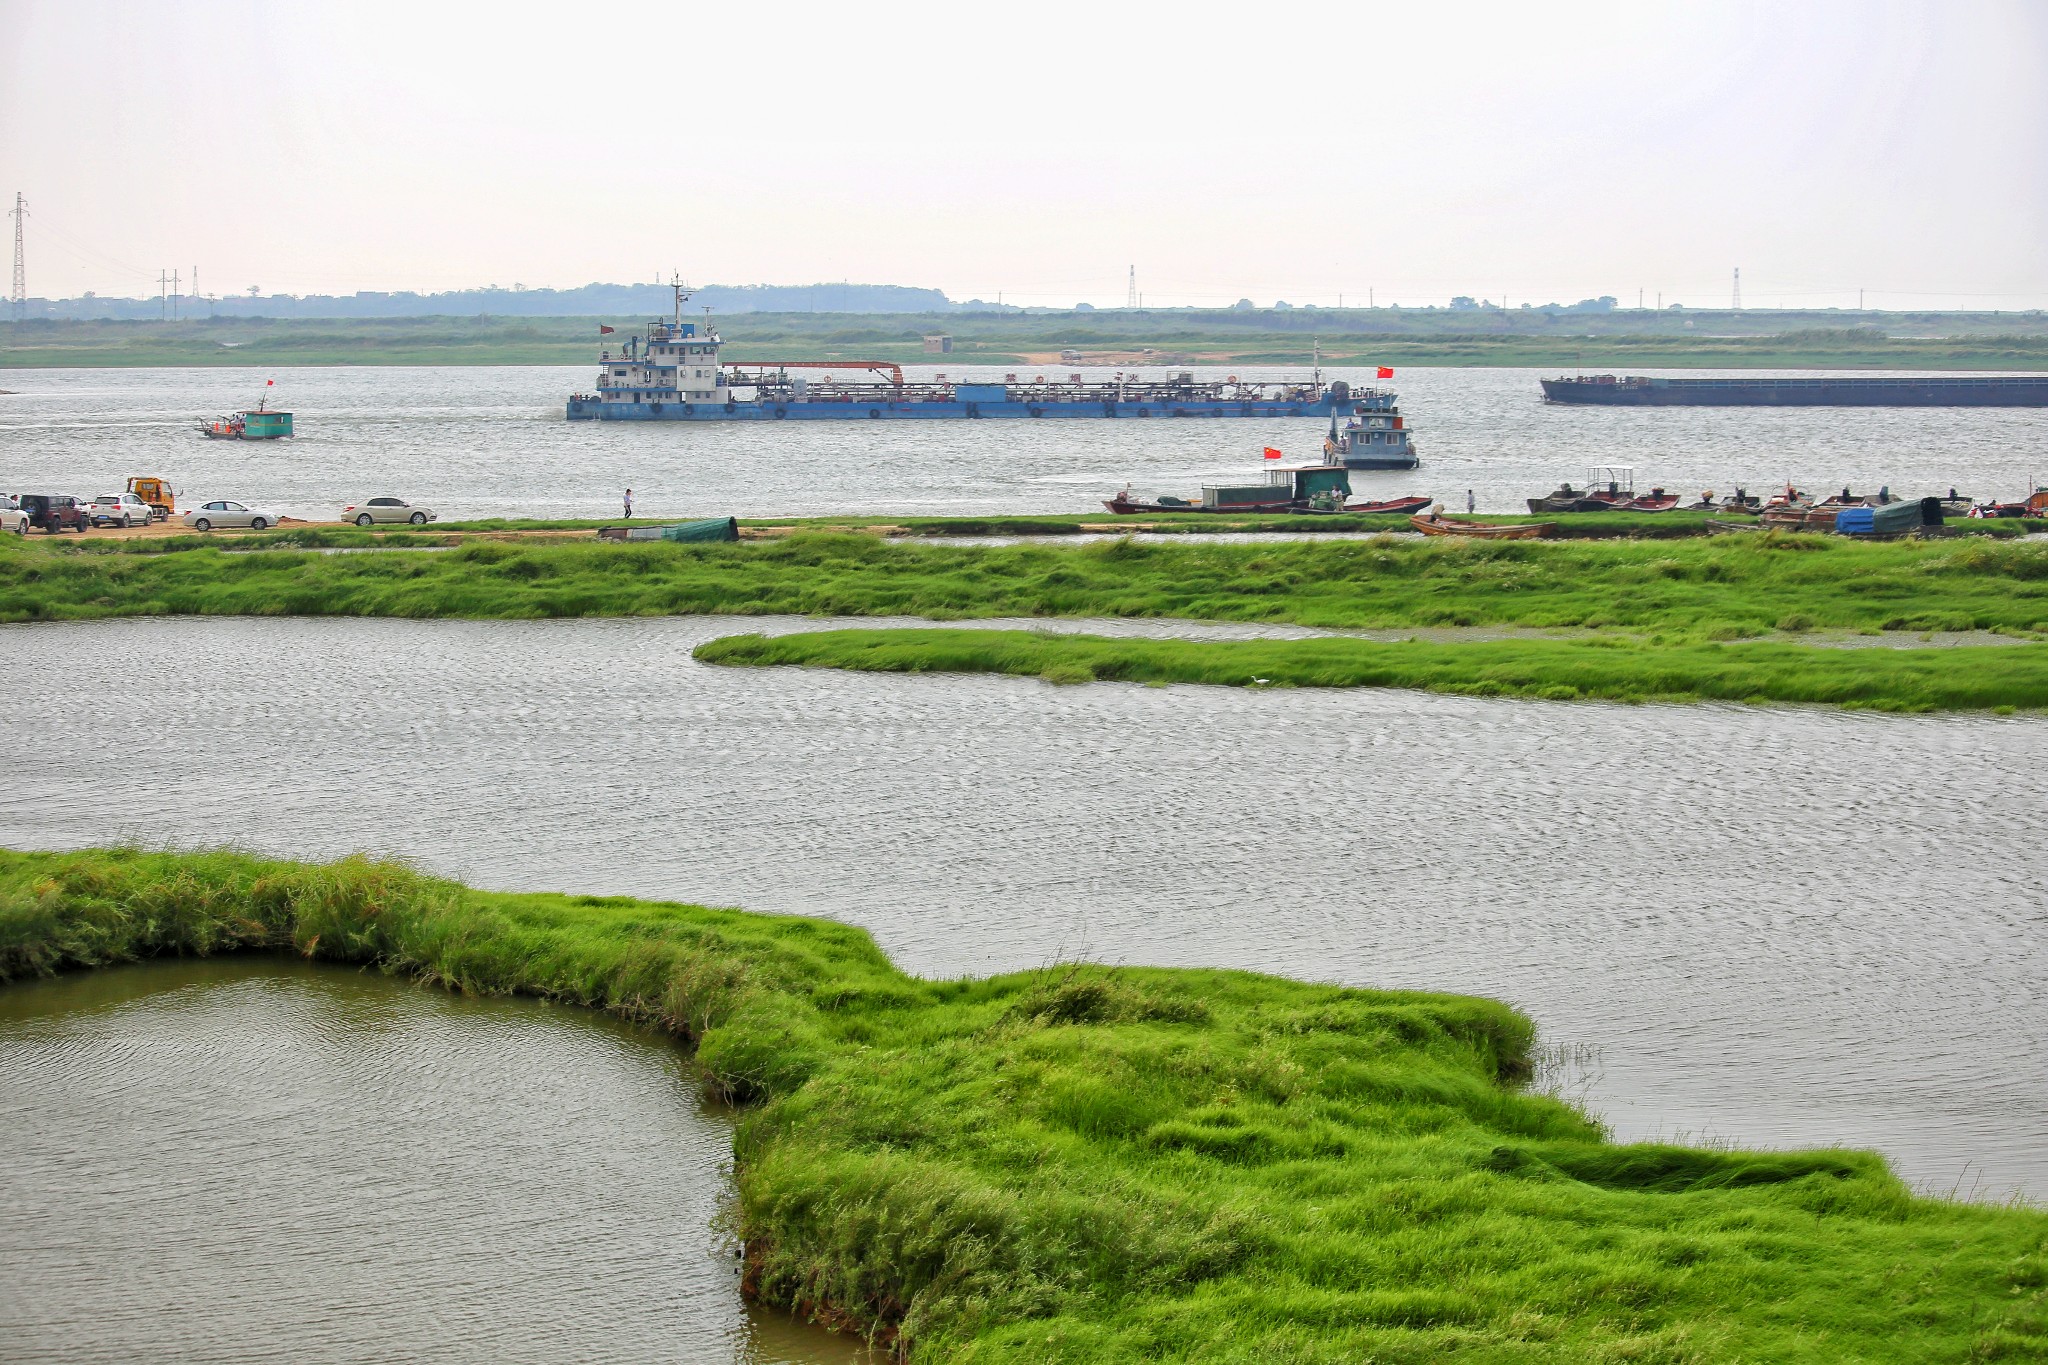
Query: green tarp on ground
(714, 528)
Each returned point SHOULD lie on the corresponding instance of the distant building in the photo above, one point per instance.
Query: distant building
(938, 343)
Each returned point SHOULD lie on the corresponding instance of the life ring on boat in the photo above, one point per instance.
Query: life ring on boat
(1144, 412)
(874, 412)
(781, 411)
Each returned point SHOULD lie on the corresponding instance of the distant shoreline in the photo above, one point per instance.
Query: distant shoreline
(1621, 341)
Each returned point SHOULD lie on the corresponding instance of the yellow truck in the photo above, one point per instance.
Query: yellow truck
(157, 493)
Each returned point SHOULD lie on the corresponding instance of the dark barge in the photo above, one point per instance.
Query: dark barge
(1831, 391)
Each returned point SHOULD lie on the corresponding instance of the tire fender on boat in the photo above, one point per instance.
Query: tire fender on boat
(781, 411)
(874, 412)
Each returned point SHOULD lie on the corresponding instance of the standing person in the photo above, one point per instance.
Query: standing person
(629, 504)
(1471, 503)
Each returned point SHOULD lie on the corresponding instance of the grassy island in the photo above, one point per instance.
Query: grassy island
(1953, 679)
(1094, 1164)
(1725, 618)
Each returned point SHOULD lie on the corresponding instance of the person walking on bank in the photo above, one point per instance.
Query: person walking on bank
(1471, 503)
(629, 504)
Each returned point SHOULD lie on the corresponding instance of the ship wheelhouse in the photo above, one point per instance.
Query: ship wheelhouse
(676, 362)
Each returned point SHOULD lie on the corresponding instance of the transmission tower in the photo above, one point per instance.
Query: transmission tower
(1131, 293)
(19, 298)
(1737, 304)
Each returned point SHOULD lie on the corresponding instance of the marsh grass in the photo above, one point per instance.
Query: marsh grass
(1954, 679)
(1093, 1164)
(1720, 589)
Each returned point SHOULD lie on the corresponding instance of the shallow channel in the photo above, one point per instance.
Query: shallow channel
(1770, 926)
(259, 1159)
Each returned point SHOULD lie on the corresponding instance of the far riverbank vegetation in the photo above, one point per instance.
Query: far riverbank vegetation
(1552, 339)
(1088, 1164)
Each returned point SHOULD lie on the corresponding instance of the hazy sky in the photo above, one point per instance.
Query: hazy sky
(1274, 150)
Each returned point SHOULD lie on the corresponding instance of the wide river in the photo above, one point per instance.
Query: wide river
(491, 441)
(264, 1160)
(1760, 925)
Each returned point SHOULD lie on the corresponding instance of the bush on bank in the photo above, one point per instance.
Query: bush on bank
(1094, 1164)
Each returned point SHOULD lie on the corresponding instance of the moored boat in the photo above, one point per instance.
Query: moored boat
(1392, 507)
(1612, 489)
(1435, 524)
(1302, 488)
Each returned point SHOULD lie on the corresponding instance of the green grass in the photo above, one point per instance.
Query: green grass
(1979, 678)
(1626, 339)
(1698, 590)
(1091, 1164)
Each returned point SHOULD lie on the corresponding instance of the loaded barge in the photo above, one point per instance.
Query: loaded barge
(675, 374)
(1833, 391)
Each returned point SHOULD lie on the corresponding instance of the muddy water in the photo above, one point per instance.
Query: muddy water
(259, 1159)
(1768, 926)
(491, 441)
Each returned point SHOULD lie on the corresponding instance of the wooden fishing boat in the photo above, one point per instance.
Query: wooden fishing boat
(1434, 525)
(1402, 507)
(1656, 500)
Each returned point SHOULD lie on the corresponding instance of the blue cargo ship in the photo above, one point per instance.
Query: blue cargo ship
(675, 374)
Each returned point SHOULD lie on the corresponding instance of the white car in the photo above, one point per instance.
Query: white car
(118, 509)
(12, 518)
(386, 509)
(224, 513)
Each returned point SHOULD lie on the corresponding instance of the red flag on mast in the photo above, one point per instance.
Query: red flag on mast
(603, 330)
(1386, 371)
(1272, 454)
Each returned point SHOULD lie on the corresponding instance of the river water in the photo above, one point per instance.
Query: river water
(491, 441)
(1768, 926)
(264, 1160)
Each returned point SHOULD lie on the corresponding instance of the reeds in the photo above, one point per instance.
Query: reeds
(1698, 590)
(1947, 679)
(1091, 1164)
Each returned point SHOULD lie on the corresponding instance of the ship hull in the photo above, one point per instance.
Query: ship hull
(600, 410)
(1941, 391)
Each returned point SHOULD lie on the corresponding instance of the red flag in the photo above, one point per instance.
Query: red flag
(1386, 371)
(268, 382)
(603, 330)
(1272, 454)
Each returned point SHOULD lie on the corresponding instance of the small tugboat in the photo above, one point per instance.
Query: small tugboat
(1375, 436)
(260, 423)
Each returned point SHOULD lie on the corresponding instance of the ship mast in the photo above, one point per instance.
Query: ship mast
(683, 292)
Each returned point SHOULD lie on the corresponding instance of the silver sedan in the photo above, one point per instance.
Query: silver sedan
(223, 513)
(386, 509)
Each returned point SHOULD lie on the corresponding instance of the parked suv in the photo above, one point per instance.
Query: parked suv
(12, 518)
(54, 512)
(119, 509)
